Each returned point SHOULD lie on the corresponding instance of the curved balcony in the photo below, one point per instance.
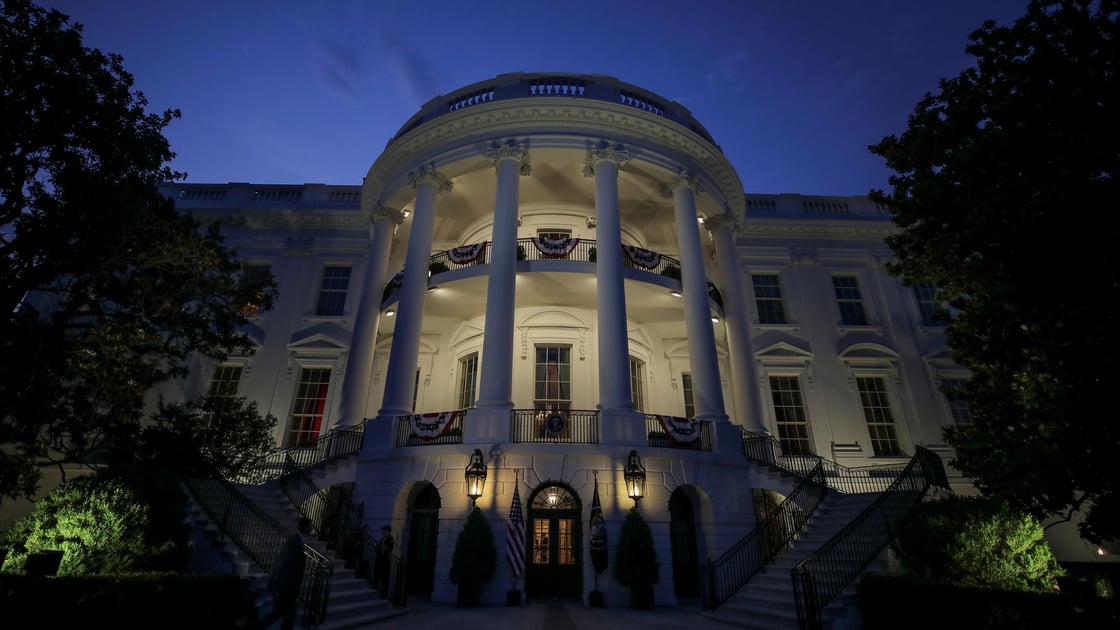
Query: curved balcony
(542, 249)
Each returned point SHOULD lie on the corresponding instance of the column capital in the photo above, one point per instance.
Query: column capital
(681, 179)
(616, 154)
(518, 152)
(385, 213)
(724, 220)
(430, 174)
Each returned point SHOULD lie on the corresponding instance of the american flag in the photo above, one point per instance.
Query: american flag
(515, 536)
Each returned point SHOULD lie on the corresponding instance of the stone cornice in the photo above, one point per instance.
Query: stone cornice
(815, 227)
(555, 122)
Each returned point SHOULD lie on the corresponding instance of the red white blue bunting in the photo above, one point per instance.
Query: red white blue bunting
(467, 253)
(555, 247)
(429, 426)
(680, 430)
(642, 257)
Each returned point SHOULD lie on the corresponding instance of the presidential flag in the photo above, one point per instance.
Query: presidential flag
(515, 536)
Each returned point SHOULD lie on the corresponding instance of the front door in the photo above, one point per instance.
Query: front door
(554, 567)
(682, 541)
(423, 532)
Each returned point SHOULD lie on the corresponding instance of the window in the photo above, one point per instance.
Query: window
(928, 307)
(768, 298)
(636, 389)
(849, 300)
(254, 274)
(553, 378)
(554, 235)
(789, 415)
(877, 412)
(686, 389)
(332, 293)
(953, 390)
(308, 407)
(468, 376)
(224, 381)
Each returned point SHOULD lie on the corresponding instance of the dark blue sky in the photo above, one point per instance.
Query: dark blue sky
(302, 91)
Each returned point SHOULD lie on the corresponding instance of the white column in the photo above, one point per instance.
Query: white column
(746, 394)
(359, 363)
(401, 372)
(496, 380)
(614, 358)
(707, 391)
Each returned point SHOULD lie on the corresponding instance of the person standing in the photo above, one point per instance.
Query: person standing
(287, 578)
(381, 565)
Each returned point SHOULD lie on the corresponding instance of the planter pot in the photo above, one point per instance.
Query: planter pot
(595, 599)
(469, 596)
(641, 597)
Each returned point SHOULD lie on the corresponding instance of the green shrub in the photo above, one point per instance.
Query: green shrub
(474, 559)
(976, 542)
(635, 559)
(98, 524)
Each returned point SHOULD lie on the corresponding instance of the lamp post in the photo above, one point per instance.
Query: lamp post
(635, 475)
(476, 476)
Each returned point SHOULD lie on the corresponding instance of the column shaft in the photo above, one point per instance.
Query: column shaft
(614, 348)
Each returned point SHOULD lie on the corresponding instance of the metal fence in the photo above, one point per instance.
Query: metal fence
(656, 436)
(573, 426)
(452, 435)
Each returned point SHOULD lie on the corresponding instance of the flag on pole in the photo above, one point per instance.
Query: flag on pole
(598, 533)
(515, 536)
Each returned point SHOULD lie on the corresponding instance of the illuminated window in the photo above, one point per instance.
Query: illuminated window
(768, 298)
(308, 407)
(552, 389)
(849, 300)
(468, 376)
(686, 389)
(332, 293)
(254, 274)
(789, 415)
(636, 387)
(953, 390)
(877, 412)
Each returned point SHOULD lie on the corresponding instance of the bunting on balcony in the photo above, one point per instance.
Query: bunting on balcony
(467, 253)
(680, 430)
(429, 426)
(642, 257)
(555, 247)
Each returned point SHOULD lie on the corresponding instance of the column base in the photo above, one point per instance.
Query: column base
(487, 426)
(622, 427)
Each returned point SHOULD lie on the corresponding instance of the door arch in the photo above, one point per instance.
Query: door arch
(554, 566)
(423, 534)
(682, 541)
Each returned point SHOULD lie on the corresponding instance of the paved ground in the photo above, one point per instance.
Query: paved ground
(549, 616)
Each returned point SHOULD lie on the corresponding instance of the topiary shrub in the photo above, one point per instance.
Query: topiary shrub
(975, 542)
(98, 524)
(635, 560)
(474, 560)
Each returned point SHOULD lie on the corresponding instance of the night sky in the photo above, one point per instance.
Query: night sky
(289, 92)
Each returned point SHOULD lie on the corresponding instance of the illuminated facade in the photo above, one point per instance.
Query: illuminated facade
(558, 270)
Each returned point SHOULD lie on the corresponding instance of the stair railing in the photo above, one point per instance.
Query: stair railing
(335, 444)
(722, 577)
(768, 450)
(261, 537)
(819, 578)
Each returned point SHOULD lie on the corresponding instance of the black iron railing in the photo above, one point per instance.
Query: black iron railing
(725, 575)
(335, 444)
(768, 450)
(656, 436)
(823, 575)
(363, 557)
(452, 433)
(261, 537)
(573, 426)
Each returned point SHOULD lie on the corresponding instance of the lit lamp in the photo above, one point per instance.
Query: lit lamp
(635, 475)
(476, 476)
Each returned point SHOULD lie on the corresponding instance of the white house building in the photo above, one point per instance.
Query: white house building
(559, 270)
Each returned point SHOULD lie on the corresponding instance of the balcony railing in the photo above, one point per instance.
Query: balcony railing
(430, 429)
(555, 427)
(765, 449)
(658, 436)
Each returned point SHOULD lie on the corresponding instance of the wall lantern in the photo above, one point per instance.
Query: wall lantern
(635, 475)
(476, 476)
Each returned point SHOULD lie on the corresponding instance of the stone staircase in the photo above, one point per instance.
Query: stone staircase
(767, 601)
(352, 602)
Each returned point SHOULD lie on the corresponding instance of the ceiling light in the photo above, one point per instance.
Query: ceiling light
(390, 313)
(675, 293)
